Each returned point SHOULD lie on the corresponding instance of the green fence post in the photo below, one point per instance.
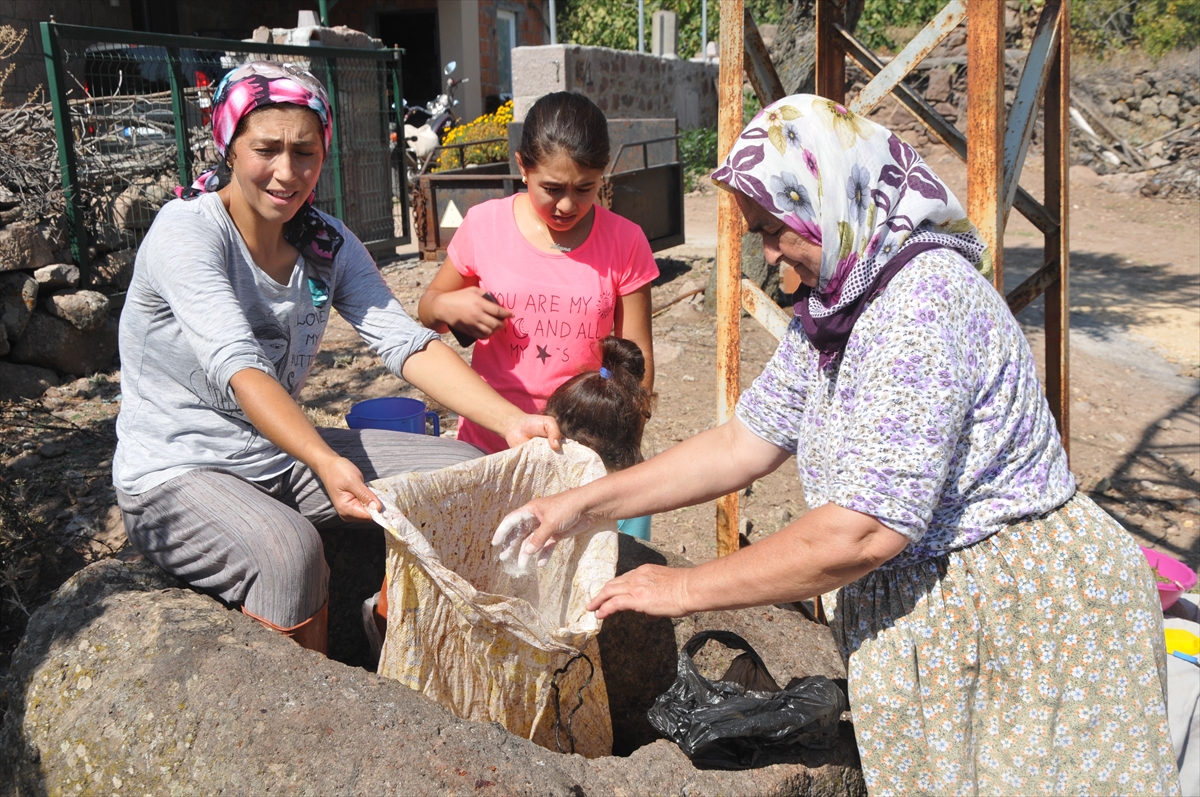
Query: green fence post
(339, 180)
(55, 79)
(401, 143)
(323, 9)
(183, 152)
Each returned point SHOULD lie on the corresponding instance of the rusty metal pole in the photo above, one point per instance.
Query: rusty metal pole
(1058, 246)
(985, 126)
(729, 253)
(830, 60)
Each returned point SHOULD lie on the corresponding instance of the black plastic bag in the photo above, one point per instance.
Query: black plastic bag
(730, 722)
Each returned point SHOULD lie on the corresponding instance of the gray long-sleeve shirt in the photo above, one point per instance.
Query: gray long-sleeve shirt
(199, 310)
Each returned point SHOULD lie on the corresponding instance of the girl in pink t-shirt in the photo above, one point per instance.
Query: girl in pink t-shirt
(564, 272)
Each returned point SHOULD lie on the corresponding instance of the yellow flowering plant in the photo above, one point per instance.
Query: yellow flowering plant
(492, 125)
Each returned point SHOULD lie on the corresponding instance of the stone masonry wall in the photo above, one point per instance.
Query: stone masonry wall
(1141, 118)
(625, 85)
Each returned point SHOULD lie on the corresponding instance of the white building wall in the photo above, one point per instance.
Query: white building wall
(458, 32)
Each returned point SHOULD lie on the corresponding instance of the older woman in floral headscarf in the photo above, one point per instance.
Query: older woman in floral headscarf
(220, 476)
(1002, 634)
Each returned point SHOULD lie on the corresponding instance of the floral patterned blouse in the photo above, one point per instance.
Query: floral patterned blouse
(933, 420)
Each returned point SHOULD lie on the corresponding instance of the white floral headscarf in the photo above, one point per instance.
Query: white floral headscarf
(853, 187)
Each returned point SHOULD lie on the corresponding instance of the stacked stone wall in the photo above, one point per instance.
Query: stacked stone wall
(1133, 116)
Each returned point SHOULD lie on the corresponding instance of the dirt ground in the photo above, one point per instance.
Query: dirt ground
(1135, 385)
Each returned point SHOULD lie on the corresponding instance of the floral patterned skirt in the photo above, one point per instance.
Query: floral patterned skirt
(1029, 663)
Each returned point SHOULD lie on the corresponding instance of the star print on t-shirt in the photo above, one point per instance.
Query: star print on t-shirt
(542, 354)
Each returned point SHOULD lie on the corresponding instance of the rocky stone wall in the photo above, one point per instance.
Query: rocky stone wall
(46, 319)
(1141, 119)
(1132, 116)
(626, 85)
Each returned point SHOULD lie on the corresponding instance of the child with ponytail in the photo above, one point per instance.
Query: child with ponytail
(606, 410)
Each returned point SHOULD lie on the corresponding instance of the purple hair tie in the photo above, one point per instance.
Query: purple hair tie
(605, 373)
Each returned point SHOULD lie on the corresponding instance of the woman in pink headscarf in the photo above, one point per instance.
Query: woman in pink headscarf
(1002, 634)
(220, 476)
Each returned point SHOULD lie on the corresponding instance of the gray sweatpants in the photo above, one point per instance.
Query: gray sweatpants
(256, 543)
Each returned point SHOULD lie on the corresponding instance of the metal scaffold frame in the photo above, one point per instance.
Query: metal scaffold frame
(994, 148)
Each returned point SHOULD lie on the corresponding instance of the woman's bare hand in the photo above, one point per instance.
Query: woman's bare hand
(467, 310)
(343, 481)
(650, 589)
(527, 427)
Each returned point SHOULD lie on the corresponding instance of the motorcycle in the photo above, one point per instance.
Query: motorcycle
(425, 127)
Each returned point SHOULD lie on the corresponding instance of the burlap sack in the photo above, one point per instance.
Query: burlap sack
(487, 645)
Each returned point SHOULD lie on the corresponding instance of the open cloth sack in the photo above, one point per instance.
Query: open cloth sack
(520, 650)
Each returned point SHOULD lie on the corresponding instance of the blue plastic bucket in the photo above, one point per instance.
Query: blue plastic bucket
(394, 413)
(635, 527)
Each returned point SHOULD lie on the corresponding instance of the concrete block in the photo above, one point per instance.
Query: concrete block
(537, 71)
(664, 34)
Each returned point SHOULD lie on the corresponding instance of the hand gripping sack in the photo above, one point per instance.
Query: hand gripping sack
(487, 645)
(728, 723)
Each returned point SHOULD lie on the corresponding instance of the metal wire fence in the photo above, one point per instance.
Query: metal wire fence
(133, 120)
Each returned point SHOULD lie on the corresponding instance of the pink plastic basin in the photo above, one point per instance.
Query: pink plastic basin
(1184, 577)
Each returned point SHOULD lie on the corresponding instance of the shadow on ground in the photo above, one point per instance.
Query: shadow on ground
(1131, 497)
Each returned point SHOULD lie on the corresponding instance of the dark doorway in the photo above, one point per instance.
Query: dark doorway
(155, 16)
(421, 66)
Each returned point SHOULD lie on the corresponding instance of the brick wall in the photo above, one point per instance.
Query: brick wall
(531, 30)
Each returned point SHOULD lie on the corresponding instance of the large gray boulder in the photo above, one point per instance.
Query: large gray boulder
(22, 246)
(54, 343)
(135, 209)
(85, 310)
(115, 270)
(24, 381)
(18, 296)
(57, 275)
(127, 683)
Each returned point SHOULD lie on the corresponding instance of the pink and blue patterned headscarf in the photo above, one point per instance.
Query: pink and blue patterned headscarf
(254, 85)
(854, 188)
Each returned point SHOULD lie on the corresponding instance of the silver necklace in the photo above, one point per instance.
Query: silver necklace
(555, 245)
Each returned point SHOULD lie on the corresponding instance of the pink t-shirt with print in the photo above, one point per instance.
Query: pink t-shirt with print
(562, 302)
